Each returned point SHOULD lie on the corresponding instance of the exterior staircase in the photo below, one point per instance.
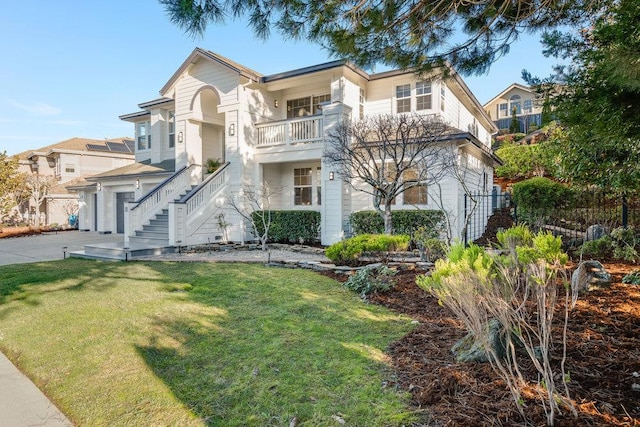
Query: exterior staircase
(156, 233)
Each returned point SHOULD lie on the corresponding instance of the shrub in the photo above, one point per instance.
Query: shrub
(625, 241)
(430, 247)
(518, 235)
(349, 251)
(518, 293)
(368, 280)
(537, 198)
(404, 222)
(213, 165)
(291, 226)
(632, 278)
(599, 248)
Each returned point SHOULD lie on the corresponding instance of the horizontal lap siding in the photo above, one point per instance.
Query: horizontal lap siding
(202, 74)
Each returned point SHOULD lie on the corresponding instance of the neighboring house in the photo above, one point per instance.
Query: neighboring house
(67, 163)
(516, 97)
(268, 129)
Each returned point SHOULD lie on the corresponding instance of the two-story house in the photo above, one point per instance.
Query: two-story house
(67, 163)
(519, 98)
(268, 129)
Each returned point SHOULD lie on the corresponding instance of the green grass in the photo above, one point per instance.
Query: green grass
(199, 344)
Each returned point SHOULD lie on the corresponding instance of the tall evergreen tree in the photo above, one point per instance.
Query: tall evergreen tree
(599, 102)
(416, 34)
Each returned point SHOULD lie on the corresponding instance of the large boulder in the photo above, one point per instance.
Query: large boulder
(590, 275)
(595, 232)
(472, 349)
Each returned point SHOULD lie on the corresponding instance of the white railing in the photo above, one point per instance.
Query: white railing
(157, 199)
(293, 131)
(188, 213)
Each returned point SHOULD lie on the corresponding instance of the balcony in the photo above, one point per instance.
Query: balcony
(290, 132)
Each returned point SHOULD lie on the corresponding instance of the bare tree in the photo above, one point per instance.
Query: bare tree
(39, 187)
(255, 207)
(390, 154)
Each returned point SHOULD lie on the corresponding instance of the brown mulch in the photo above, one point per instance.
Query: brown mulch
(603, 360)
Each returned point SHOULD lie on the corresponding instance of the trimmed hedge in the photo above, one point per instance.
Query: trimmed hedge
(404, 222)
(350, 250)
(291, 226)
(541, 195)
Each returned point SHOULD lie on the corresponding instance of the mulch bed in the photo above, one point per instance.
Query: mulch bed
(603, 360)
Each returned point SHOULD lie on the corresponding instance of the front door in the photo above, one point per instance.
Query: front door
(121, 198)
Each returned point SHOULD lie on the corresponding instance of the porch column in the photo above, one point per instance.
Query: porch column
(336, 200)
(103, 209)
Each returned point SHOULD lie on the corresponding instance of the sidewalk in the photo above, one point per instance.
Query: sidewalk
(22, 404)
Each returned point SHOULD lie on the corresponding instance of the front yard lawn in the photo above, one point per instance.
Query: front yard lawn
(200, 344)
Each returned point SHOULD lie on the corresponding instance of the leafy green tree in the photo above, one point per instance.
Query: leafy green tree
(599, 102)
(526, 161)
(417, 34)
(9, 181)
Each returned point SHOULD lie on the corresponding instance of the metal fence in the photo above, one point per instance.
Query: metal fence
(571, 221)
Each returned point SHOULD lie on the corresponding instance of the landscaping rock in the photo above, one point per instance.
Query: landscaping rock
(590, 275)
(469, 349)
(595, 232)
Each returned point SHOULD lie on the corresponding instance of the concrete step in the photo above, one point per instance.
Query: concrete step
(140, 241)
(156, 227)
(160, 222)
(117, 251)
(155, 234)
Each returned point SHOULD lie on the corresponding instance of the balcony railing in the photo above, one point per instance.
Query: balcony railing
(288, 132)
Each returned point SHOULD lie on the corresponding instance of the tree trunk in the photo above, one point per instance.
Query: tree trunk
(388, 225)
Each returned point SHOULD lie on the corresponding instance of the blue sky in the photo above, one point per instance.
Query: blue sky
(70, 68)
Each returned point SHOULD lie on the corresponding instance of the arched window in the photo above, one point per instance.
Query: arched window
(515, 102)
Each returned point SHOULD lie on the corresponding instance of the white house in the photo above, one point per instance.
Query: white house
(266, 128)
(66, 164)
(516, 98)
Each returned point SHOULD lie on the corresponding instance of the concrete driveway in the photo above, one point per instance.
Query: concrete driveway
(49, 247)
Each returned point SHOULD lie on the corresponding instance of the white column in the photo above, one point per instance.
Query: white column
(336, 201)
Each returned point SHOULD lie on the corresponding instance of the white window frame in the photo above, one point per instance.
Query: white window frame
(515, 102)
(403, 94)
(418, 185)
(443, 92)
(527, 106)
(299, 185)
(307, 105)
(423, 95)
(143, 136)
(171, 125)
(503, 109)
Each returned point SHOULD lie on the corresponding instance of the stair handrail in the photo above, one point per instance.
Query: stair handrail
(209, 186)
(158, 198)
(158, 187)
(185, 213)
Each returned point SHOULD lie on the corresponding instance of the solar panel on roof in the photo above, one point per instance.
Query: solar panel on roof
(96, 147)
(117, 147)
(131, 145)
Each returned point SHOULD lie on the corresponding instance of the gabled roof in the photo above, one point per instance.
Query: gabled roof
(122, 145)
(214, 57)
(136, 169)
(512, 86)
(315, 69)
